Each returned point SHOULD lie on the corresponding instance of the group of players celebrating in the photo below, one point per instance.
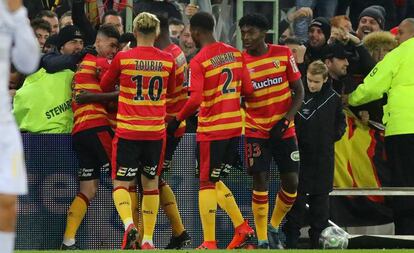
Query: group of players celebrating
(154, 100)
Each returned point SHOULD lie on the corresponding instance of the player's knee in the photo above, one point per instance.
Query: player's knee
(89, 193)
(290, 182)
(260, 182)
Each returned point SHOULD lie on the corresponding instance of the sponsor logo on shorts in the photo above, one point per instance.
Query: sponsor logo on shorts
(215, 173)
(127, 172)
(84, 172)
(295, 156)
(150, 170)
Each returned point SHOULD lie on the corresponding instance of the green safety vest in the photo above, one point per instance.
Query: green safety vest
(43, 103)
(394, 75)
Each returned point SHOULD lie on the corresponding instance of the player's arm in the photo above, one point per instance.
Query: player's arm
(25, 52)
(86, 97)
(111, 76)
(171, 80)
(80, 20)
(247, 86)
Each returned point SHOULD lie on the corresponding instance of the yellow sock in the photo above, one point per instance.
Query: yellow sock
(141, 221)
(260, 207)
(134, 205)
(284, 202)
(150, 205)
(122, 202)
(76, 212)
(226, 201)
(169, 205)
(207, 203)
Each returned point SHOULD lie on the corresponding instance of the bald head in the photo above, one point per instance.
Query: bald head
(405, 30)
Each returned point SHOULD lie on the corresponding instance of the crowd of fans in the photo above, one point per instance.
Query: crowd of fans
(328, 46)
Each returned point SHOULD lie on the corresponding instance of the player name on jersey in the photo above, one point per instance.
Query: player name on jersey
(148, 65)
(222, 59)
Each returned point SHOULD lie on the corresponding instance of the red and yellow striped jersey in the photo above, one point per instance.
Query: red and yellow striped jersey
(90, 115)
(217, 78)
(177, 99)
(145, 75)
(272, 97)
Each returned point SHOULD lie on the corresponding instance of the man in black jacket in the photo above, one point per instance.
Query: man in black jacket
(321, 112)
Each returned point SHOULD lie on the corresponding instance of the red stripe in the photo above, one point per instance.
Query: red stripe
(260, 197)
(106, 141)
(162, 155)
(260, 201)
(207, 185)
(286, 199)
(132, 188)
(83, 197)
(153, 192)
(204, 161)
(119, 188)
(114, 153)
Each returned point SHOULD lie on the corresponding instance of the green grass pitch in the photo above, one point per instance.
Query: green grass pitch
(224, 251)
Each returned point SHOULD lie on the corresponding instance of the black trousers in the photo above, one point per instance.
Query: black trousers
(299, 216)
(400, 153)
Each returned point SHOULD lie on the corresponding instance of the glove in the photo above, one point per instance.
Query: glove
(279, 128)
(173, 126)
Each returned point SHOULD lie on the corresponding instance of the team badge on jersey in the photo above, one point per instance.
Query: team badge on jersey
(276, 63)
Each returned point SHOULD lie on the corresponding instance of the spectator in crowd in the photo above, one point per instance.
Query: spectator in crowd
(16, 80)
(42, 31)
(18, 45)
(297, 48)
(215, 66)
(52, 18)
(321, 111)
(357, 7)
(92, 133)
(88, 31)
(342, 21)
(167, 8)
(285, 25)
(371, 19)
(323, 8)
(393, 76)
(187, 44)
(269, 130)
(335, 58)
(176, 27)
(50, 44)
(405, 30)
(65, 19)
(379, 44)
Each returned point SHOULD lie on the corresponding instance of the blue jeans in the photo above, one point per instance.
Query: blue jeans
(322, 8)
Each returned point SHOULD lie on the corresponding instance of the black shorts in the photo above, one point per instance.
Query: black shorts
(259, 153)
(137, 156)
(172, 144)
(93, 148)
(212, 157)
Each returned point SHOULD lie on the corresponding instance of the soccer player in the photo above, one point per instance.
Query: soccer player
(92, 134)
(146, 74)
(270, 131)
(217, 79)
(175, 102)
(19, 45)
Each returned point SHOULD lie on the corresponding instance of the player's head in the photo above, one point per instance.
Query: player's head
(107, 41)
(316, 75)
(112, 17)
(253, 28)
(201, 26)
(146, 25)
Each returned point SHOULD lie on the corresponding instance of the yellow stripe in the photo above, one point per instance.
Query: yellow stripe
(89, 117)
(232, 85)
(134, 61)
(128, 90)
(176, 99)
(88, 108)
(220, 98)
(86, 71)
(219, 127)
(208, 62)
(141, 102)
(268, 101)
(217, 70)
(89, 63)
(134, 127)
(91, 86)
(180, 70)
(268, 90)
(133, 72)
(225, 115)
(128, 118)
(265, 61)
(266, 72)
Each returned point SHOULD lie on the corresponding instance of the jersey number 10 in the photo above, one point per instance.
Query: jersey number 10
(154, 88)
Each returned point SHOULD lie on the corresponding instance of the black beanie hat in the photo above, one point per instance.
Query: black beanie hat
(324, 25)
(376, 12)
(68, 33)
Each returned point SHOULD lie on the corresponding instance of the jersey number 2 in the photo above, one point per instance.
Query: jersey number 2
(154, 91)
(226, 89)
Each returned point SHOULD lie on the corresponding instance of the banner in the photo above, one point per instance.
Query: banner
(360, 162)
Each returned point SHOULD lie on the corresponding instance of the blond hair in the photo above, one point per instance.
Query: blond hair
(146, 23)
(318, 68)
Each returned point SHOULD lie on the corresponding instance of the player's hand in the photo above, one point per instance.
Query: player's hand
(83, 97)
(345, 99)
(173, 126)
(279, 128)
(14, 5)
(301, 12)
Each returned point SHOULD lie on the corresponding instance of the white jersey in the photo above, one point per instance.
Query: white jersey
(18, 45)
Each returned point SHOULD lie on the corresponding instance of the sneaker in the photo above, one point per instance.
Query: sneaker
(147, 246)
(178, 242)
(241, 234)
(264, 245)
(71, 247)
(130, 237)
(208, 245)
(273, 237)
